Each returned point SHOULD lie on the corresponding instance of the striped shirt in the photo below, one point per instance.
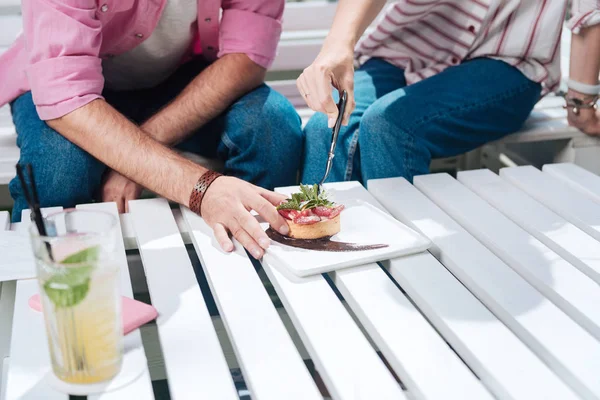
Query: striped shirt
(424, 37)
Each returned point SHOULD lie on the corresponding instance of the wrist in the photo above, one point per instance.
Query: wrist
(184, 181)
(342, 45)
(584, 87)
(200, 189)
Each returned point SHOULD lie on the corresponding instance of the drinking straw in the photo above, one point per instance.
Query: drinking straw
(33, 201)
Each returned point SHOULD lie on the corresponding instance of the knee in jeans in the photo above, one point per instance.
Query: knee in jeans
(388, 116)
(375, 120)
(316, 128)
(284, 121)
(269, 117)
(65, 174)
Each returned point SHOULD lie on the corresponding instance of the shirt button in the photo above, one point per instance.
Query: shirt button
(207, 20)
(471, 28)
(210, 48)
(139, 35)
(454, 60)
(104, 8)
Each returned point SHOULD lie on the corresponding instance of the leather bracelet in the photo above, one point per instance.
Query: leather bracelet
(200, 189)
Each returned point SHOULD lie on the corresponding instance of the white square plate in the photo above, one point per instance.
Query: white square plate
(362, 222)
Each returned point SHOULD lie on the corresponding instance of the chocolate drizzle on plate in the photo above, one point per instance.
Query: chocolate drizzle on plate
(323, 244)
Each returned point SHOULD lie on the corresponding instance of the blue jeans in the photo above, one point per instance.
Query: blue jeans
(396, 129)
(259, 138)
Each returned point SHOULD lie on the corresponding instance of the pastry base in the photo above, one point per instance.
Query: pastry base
(319, 230)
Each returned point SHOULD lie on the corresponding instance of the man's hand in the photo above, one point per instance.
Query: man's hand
(226, 208)
(331, 67)
(120, 189)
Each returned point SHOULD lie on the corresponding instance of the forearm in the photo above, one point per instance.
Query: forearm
(108, 136)
(585, 55)
(351, 19)
(207, 96)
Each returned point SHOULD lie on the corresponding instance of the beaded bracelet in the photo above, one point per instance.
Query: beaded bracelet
(576, 104)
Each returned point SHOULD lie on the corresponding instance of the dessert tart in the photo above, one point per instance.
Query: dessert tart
(311, 215)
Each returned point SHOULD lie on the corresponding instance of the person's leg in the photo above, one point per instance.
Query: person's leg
(65, 174)
(448, 114)
(261, 139)
(373, 80)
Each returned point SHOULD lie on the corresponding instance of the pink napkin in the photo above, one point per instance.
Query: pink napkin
(135, 313)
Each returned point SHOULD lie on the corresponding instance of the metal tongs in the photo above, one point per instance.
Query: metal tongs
(334, 136)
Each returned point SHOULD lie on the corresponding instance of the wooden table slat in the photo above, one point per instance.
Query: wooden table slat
(271, 364)
(4, 220)
(568, 241)
(135, 356)
(348, 364)
(194, 361)
(418, 354)
(577, 177)
(566, 286)
(569, 350)
(567, 202)
(23, 226)
(29, 358)
(509, 368)
(7, 304)
(4, 377)
(29, 354)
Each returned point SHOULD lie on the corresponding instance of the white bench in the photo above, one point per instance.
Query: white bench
(305, 27)
(494, 310)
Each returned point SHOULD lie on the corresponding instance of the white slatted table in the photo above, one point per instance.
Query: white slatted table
(503, 306)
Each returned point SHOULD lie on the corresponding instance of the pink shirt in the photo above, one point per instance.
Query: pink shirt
(59, 56)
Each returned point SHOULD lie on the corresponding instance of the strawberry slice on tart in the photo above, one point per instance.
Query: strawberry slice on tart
(311, 215)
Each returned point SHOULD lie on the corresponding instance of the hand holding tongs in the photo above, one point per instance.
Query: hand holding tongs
(334, 136)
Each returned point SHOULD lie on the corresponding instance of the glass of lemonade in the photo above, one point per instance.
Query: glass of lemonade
(78, 278)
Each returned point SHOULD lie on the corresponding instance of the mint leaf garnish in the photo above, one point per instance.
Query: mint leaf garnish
(85, 255)
(67, 292)
(69, 287)
(306, 199)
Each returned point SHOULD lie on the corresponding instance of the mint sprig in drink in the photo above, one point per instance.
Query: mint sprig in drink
(80, 296)
(70, 286)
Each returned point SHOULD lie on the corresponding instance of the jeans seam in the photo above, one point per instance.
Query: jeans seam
(473, 106)
(351, 152)
(410, 145)
(229, 143)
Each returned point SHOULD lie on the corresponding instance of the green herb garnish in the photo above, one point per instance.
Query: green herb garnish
(69, 288)
(307, 198)
(85, 255)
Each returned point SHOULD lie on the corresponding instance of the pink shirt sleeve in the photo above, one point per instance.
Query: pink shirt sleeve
(252, 27)
(585, 13)
(63, 39)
